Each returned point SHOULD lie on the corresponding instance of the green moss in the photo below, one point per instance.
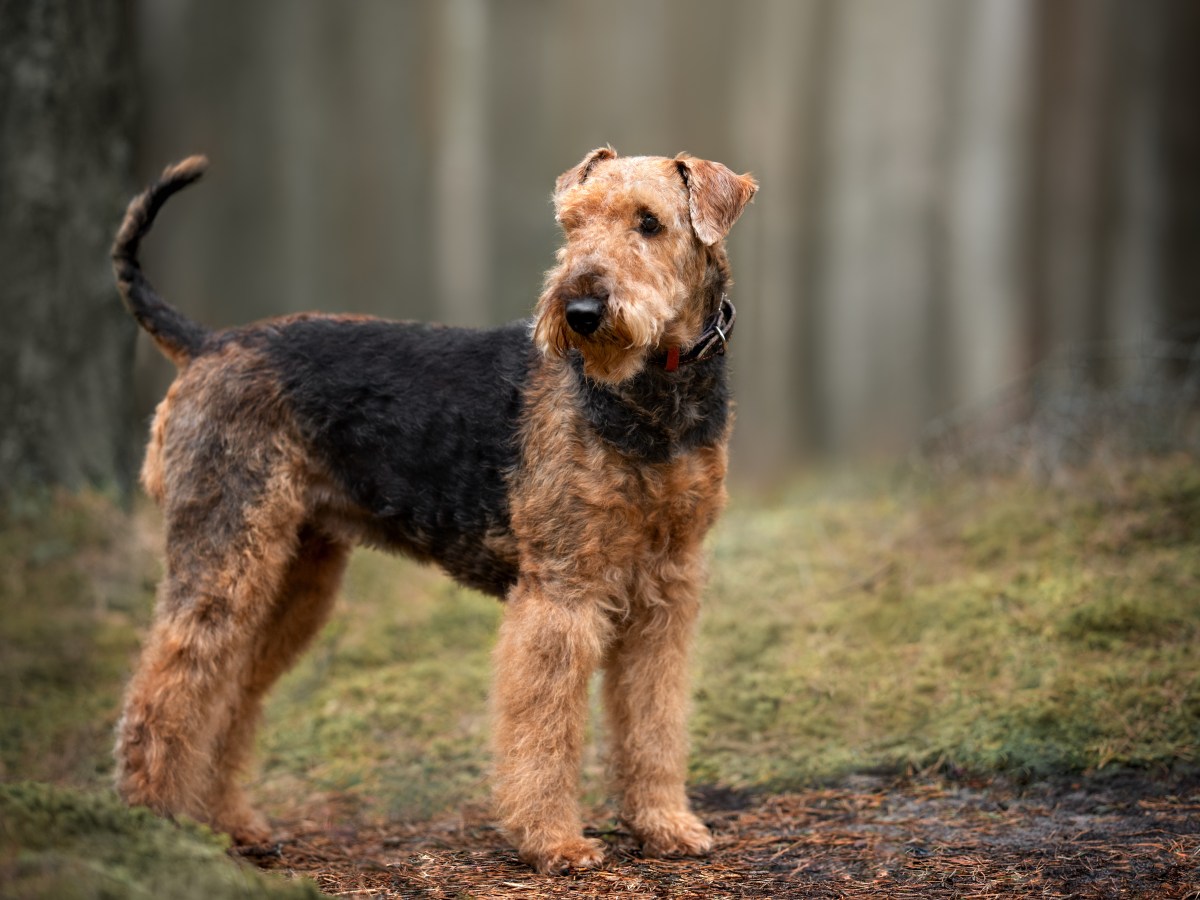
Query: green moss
(74, 581)
(60, 843)
(988, 625)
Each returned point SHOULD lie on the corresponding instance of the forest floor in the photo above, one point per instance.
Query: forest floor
(1128, 836)
(918, 684)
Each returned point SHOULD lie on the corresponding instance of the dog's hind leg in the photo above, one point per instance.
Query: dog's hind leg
(232, 533)
(297, 615)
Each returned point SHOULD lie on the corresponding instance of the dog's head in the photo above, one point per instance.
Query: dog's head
(644, 243)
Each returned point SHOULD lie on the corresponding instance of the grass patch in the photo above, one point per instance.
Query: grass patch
(986, 625)
(71, 845)
(983, 624)
(76, 581)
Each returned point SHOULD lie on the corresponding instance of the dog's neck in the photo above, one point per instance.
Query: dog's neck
(718, 328)
(658, 415)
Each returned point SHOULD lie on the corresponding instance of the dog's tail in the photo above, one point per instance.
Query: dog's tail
(176, 335)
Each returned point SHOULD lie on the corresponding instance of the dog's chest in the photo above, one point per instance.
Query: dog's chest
(676, 502)
(589, 507)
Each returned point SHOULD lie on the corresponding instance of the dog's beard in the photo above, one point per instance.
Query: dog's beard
(633, 325)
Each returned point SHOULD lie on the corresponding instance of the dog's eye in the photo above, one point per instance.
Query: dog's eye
(649, 225)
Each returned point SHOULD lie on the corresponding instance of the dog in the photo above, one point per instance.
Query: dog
(569, 465)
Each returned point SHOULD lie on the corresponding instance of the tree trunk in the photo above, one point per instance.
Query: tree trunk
(66, 345)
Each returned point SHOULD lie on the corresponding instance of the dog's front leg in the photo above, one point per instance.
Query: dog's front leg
(646, 702)
(549, 646)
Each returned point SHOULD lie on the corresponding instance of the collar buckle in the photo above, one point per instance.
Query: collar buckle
(712, 340)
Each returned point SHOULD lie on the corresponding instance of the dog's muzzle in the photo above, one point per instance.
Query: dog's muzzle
(584, 314)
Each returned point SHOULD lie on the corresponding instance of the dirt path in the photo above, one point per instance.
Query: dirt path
(1128, 836)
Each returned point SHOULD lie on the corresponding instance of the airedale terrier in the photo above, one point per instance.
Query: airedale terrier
(571, 466)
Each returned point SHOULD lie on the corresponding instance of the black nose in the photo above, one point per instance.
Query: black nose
(584, 314)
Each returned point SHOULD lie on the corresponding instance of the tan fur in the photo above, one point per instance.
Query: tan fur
(607, 546)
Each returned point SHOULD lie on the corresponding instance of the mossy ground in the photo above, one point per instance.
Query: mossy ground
(75, 583)
(70, 845)
(985, 625)
(970, 624)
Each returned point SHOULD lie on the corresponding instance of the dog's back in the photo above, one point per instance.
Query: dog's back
(418, 427)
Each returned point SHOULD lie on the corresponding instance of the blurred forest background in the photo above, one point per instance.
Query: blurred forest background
(978, 237)
(973, 206)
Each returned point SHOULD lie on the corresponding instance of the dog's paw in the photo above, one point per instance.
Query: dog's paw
(246, 826)
(559, 859)
(666, 834)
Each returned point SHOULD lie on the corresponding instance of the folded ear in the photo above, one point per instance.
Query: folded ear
(579, 173)
(716, 196)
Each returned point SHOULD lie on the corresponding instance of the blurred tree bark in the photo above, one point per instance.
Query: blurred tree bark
(1115, 207)
(66, 348)
(1175, 152)
(460, 167)
(788, 78)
